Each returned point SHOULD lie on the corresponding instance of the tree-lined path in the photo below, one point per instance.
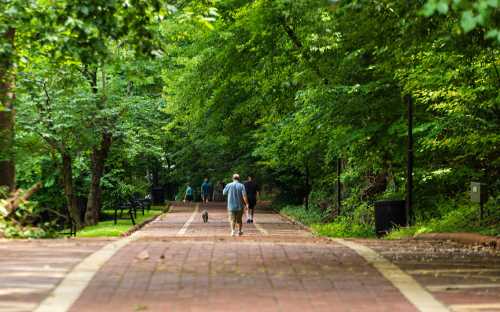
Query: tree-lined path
(178, 263)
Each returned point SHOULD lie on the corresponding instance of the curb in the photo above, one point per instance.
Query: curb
(473, 239)
(139, 226)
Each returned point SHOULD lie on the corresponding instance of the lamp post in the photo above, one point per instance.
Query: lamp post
(409, 164)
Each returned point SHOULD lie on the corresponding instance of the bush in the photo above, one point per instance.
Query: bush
(344, 227)
(457, 217)
(358, 224)
(308, 217)
(24, 223)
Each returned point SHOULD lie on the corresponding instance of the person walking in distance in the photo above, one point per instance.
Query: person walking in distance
(218, 191)
(188, 195)
(236, 202)
(205, 191)
(252, 190)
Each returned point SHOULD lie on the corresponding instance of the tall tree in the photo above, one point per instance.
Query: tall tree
(7, 96)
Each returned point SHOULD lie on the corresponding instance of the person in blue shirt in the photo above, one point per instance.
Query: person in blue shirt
(205, 191)
(236, 202)
(188, 195)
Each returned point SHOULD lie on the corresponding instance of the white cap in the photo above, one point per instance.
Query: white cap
(236, 176)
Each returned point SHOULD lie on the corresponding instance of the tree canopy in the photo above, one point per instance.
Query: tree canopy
(116, 97)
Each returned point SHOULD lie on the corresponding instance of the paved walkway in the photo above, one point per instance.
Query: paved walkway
(30, 269)
(178, 263)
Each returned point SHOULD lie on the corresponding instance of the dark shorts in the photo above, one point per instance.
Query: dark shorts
(205, 195)
(252, 202)
(189, 197)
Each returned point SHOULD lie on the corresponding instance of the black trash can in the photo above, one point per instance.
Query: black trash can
(158, 195)
(389, 214)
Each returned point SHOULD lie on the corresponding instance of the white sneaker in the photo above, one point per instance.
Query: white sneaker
(233, 233)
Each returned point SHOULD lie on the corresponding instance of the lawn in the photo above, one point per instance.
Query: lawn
(107, 228)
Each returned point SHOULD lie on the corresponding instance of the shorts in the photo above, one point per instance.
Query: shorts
(235, 217)
(252, 202)
(189, 197)
(205, 195)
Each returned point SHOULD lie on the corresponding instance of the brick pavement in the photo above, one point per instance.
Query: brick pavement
(274, 266)
(178, 263)
(30, 269)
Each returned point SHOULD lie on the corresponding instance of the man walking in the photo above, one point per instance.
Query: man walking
(188, 194)
(236, 201)
(205, 191)
(252, 190)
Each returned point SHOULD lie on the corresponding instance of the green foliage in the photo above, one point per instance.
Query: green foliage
(456, 217)
(308, 217)
(356, 223)
(473, 14)
(344, 227)
(360, 224)
(278, 89)
(20, 223)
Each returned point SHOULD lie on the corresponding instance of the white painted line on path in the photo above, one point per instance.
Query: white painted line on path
(412, 290)
(72, 286)
(186, 225)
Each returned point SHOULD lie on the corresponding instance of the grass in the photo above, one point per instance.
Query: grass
(460, 219)
(107, 228)
(344, 227)
(340, 227)
(307, 217)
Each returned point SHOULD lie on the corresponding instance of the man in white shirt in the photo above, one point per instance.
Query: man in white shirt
(236, 201)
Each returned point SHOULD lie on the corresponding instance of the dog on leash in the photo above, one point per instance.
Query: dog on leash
(204, 215)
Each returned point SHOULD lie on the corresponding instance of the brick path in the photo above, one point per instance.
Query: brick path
(280, 267)
(30, 269)
(177, 265)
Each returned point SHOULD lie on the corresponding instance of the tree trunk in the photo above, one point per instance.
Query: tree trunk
(7, 96)
(69, 192)
(99, 156)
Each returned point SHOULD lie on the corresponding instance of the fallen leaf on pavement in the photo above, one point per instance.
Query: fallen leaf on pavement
(144, 255)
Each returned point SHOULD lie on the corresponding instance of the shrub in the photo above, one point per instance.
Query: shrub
(344, 226)
(308, 217)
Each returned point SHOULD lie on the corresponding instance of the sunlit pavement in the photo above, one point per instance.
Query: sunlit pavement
(178, 263)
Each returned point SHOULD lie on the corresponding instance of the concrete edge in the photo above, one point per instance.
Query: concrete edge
(415, 293)
(471, 239)
(67, 292)
(139, 226)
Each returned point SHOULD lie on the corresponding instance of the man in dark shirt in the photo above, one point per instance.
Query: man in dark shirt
(252, 190)
(205, 191)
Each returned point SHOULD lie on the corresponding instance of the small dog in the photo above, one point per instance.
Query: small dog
(204, 215)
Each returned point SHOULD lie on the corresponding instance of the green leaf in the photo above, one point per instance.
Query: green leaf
(442, 7)
(468, 22)
(429, 8)
(493, 34)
